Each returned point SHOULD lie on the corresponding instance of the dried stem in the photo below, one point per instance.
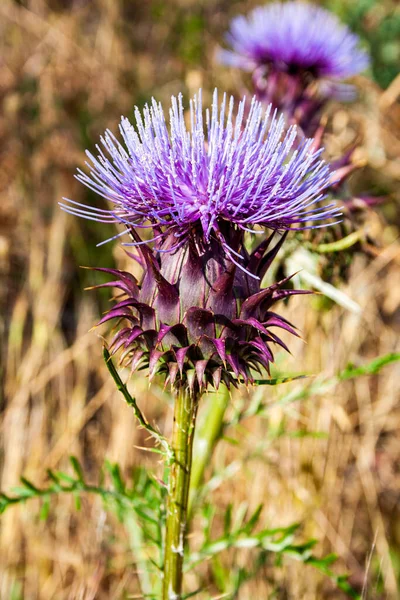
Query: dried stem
(178, 491)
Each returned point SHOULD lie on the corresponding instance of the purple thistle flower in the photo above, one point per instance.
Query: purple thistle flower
(208, 184)
(295, 37)
(195, 317)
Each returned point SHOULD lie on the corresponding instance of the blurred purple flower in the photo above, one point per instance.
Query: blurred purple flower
(294, 37)
(192, 184)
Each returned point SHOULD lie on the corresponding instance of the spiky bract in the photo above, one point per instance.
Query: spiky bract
(197, 319)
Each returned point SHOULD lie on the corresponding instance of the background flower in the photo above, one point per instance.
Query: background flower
(295, 37)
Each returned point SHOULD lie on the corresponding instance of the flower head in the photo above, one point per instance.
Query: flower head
(199, 315)
(210, 181)
(295, 37)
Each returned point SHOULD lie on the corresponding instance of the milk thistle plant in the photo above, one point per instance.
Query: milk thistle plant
(190, 198)
(200, 318)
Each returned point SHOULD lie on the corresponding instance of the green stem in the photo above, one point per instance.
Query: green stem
(130, 400)
(178, 491)
(207, 435)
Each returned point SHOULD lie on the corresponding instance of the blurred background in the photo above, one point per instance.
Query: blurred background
(68, 70)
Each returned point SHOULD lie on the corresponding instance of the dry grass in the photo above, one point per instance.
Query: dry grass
(67, 71)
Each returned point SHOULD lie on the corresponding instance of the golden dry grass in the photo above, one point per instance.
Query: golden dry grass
(67, 71)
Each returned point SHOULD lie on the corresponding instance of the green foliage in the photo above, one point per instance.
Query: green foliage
(278, 380)
(160, 440)
(144, 500)
(118, 495)
(189, 33)
(317, 387)
(140, 504)
(268, 547)
(371, 368)
(378, 26)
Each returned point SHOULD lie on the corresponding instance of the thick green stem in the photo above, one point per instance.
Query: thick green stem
(207, 435)
(178, 491)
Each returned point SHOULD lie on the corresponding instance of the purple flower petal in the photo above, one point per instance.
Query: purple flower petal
(229, 171)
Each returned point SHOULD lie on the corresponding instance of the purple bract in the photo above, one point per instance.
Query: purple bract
(294, 37)
(227, 174)
(197, 320)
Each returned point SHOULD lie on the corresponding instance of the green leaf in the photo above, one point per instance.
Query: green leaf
(321, 386)
(279, 380)
(239, 517)
(230, 440)
(343, 584)
(301, 551)
(209, 511)
(252, 522)
(325, 562)
(155, 564)
(28, 484)
(77, 468)
(55, 479)
(228, 519)
(371, 368)
(5, 501)
(64, 477)
(77, 500)
(221, 575)
(24, 492)
(145, 516)
(130, 400)
(45, 508)
(116, 478)
(285, 531)
(303, 433)
(341, 244)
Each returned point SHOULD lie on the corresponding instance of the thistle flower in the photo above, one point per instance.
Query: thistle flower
(199, 315)
(298, 54)
(295, 37)
(189, 184)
